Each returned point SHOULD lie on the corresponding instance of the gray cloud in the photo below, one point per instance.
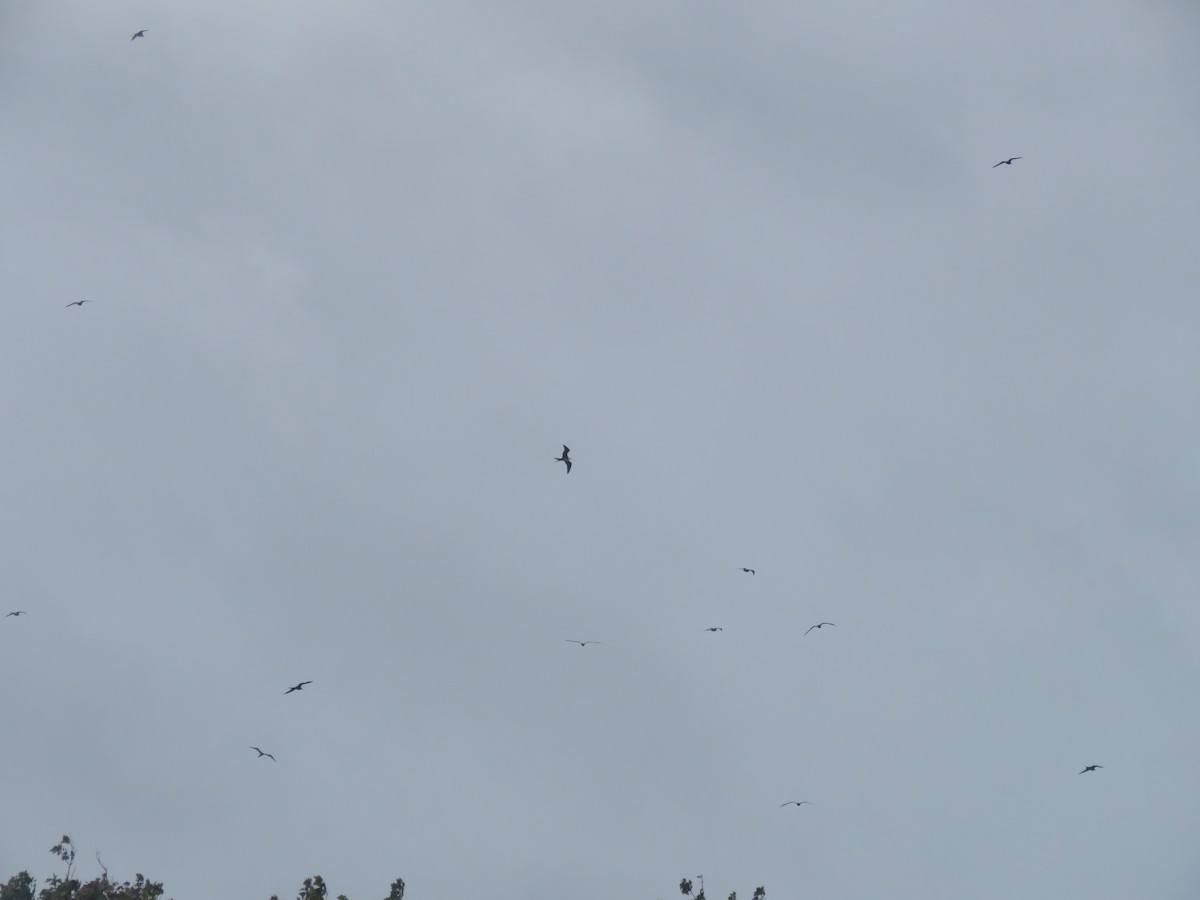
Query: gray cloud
(358, 273)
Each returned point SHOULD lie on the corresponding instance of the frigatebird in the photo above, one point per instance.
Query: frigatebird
(139, 34)
(565, 458)
(298, 687)
(580, 643)
(797, 803)
(744, 569)
(714, 629)
(1007, 162)
(262, 753)
(819, 625)
(17, 612)
(76, 303)
(1091, 769)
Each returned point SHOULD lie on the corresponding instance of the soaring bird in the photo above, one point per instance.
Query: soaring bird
(819, 625)
(580, 643)
(565, 458)
(298, 687)
(1007, 162)
(714, 629)
(744, 569)
(17, 612)
(139, 34)
(1091, 769)
(76, 303)
(262, 753)
(796, 803)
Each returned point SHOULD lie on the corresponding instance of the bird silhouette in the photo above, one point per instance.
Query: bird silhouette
(565, 458)
(744, 569)
(714, 629)
(139, 34)
(796, 803)
(298, 687)
(1007, 162)
(76, 303)
(262, 753)
(580, 643)
(820, 625)
(17, 612)
(1091, 769)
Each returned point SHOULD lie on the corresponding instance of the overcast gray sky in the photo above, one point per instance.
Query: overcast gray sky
(358, 271)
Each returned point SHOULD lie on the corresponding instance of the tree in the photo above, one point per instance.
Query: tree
(22, 886)
(314, 888)
(686, 888)
(19, 887)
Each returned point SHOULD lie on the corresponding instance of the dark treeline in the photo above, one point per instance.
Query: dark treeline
(23, 886)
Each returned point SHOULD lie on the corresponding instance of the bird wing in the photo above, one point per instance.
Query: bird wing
(999, 163)
(568, 462)
(566, 449)
(811, 627)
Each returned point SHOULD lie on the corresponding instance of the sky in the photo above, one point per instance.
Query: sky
(357, 272)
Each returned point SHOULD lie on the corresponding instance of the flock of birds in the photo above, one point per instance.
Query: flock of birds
(566, 460)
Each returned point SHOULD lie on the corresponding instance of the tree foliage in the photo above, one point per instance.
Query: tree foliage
(688, 889)
(23, 886)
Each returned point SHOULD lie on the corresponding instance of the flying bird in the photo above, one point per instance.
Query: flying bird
(17, 612)
(580, 643)
(820, 625)
(744, 569)
(76, 303)
(262, 753)
(139, 34)
(796, 803)
(565, 458)
(714, 629)
(298, 687)
(1007, 162)
(1091, 769)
